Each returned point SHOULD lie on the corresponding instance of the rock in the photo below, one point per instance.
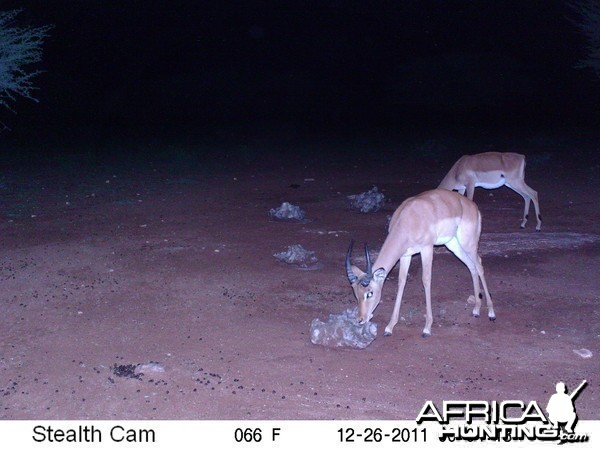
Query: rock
(583, 352)
(299, 256)
(287, 211)
(369, 201)
(343, 330)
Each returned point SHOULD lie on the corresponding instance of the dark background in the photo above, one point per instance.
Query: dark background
(280, 73)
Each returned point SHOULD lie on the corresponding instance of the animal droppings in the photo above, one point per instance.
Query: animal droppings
(127, 371)
(343, 330)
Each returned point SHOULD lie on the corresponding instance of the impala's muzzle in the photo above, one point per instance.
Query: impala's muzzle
(362, 321)
(365, 311)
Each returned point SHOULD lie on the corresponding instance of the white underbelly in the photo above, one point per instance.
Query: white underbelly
(487, 185)
(442, 240)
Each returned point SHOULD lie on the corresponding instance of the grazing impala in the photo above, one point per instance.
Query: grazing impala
(490, 171)
(437, 217)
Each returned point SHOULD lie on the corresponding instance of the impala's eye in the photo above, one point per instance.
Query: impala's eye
(369, 294)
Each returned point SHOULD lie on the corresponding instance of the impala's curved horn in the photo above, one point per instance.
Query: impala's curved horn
(365, 282)
(352, 278)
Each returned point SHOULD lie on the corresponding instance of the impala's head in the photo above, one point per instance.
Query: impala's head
(366, 285)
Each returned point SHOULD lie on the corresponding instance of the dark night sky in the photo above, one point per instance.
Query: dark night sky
(218, 68)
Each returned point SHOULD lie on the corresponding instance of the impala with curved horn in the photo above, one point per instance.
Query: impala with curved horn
(436, 217)
(491, 170)
(366, 277)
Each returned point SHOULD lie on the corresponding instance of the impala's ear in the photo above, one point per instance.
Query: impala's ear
(379, 275)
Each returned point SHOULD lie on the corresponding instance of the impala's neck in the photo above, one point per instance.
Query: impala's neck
(449, 181)
(391, 251)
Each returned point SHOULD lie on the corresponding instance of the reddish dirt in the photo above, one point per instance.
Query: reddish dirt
(104, 265)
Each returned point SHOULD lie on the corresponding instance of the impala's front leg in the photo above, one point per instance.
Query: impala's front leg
(470, 190)
(488, 297)
(402, 274)
(426, 262)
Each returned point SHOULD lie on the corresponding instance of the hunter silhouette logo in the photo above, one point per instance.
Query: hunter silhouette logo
(561, 407)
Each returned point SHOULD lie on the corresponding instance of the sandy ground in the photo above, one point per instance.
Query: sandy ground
(108, 265)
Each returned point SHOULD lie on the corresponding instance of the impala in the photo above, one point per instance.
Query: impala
(490, 171)
(436, 217)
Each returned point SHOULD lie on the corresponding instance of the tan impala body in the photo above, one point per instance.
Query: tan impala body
(490, 171)
(437, 217)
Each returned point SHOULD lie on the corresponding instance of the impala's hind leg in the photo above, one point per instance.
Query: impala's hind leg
(471, 259)
(529, 195)
(426, 263)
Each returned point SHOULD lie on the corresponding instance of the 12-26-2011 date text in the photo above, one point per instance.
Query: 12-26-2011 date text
(412, 435)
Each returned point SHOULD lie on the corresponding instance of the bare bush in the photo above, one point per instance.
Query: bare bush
(588, 23)
(19, 49)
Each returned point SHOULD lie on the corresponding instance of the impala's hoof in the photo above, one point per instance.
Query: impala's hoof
(425, 334)
(538, 229)
(493, 319)
(521, 226)
(387, 333)
(475, 315)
